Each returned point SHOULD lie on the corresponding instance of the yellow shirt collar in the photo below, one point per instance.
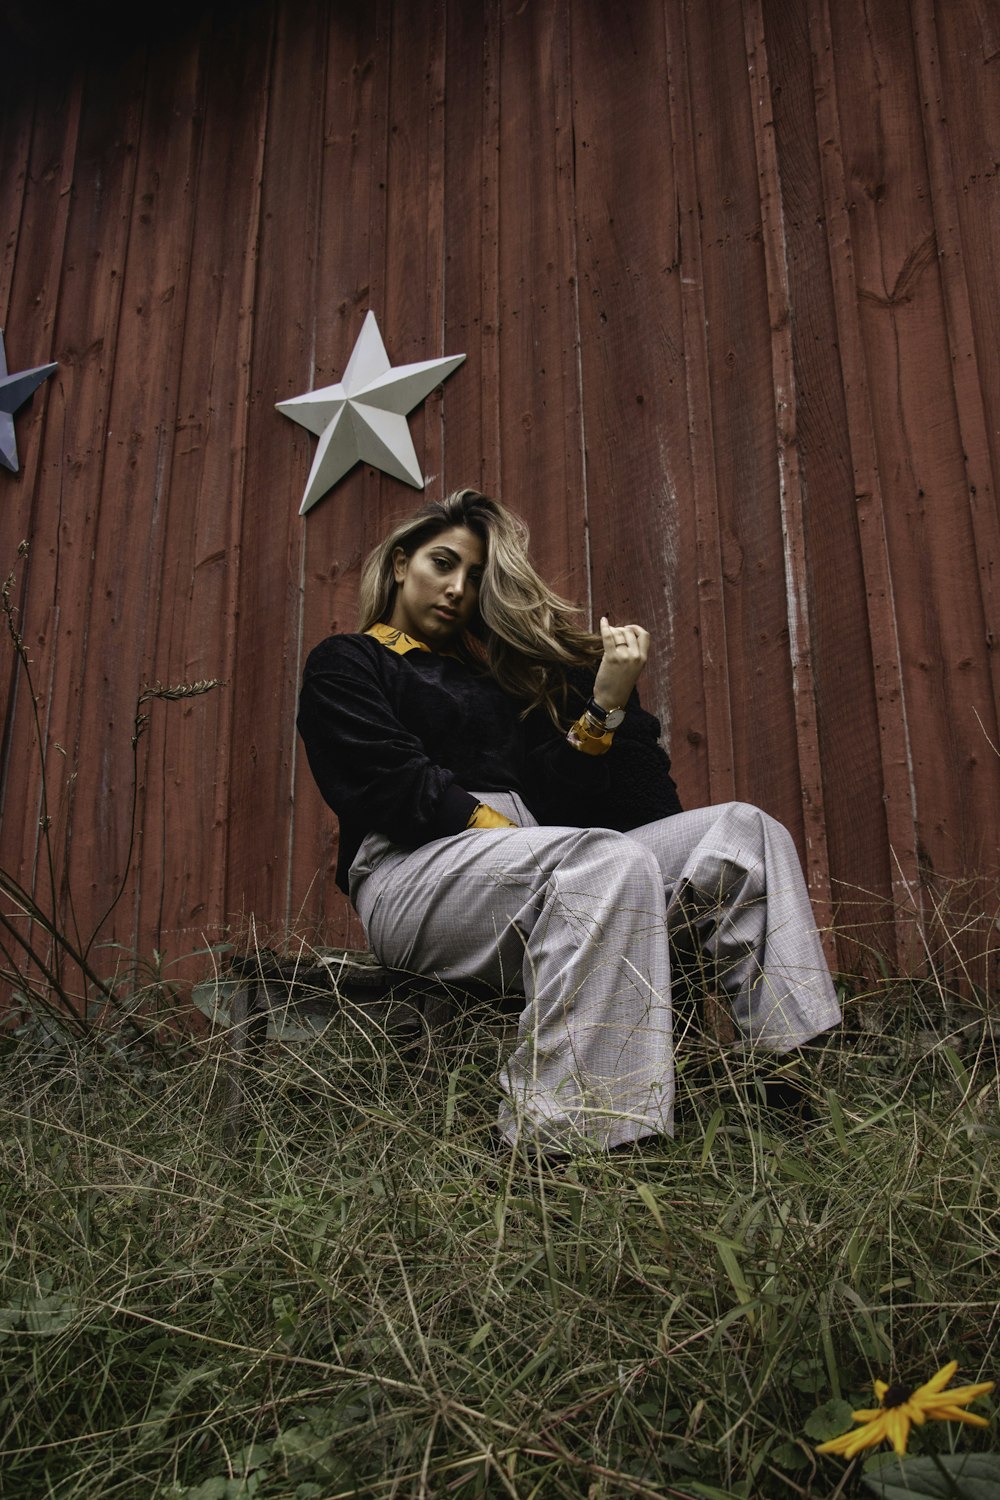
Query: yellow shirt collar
(396, 640)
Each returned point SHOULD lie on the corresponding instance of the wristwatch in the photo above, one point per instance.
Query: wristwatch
(608, 718)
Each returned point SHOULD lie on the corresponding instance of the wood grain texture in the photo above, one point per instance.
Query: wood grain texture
(791, 480)
(538, 394)
(969, 378)
(471, 276)
(725, 280)
(196, 628)
(60, 605)
(744, 437)
(33, 297)
(340, 529)
(130, 533)
(631, 341)
(923, 504)
(707, 723)
(846, 709)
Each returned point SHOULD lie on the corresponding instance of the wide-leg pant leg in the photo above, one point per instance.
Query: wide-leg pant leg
(575, 917)
(733, 880)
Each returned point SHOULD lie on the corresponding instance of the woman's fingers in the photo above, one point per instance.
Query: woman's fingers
(626, 648)
(630, 641)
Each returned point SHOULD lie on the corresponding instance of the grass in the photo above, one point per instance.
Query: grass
(363, 1298)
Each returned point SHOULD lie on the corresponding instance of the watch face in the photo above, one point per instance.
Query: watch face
(613, 718)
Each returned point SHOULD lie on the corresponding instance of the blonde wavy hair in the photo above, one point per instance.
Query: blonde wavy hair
(523, 633)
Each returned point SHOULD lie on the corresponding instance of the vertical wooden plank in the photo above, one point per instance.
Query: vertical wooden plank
(413, 298)
(721, 778)
(790, 485)
(631, 347)
(33, 305)
(183, 900)
(471, 237)
(738, 341)
(967, 66)
(92, 257)
(966, 72)
(954, 254)
(904, 324)
(172, 534)
(846, 710)
(893, 727)
(16, 127)
(492, 445)
(538, 391)
(135, 508)
(340, 530)
(32, 290)
(264, 681)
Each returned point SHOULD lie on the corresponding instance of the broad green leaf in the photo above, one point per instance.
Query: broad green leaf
(952, 1476)
(790, 1456)
(829, 1420)
(210, 1489)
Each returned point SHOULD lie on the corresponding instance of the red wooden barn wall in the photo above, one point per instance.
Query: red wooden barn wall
(725, 275)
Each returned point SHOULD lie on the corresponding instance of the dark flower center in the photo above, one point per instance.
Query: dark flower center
(896, 1395)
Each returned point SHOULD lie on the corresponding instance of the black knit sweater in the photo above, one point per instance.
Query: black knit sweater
(395, 742)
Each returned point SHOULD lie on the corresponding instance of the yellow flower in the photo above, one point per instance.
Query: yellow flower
(900, 1407)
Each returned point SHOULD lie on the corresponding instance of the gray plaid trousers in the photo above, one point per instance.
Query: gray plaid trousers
(582, 921)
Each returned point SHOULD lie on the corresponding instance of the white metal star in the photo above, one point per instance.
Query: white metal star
(14, 392)
(363, 418)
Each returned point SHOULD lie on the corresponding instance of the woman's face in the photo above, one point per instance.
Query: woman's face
(437, 589)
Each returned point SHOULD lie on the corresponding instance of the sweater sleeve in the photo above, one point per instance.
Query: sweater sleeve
(371, 769)
(629, 786)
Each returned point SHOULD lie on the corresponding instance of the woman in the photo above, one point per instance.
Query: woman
(506, 813)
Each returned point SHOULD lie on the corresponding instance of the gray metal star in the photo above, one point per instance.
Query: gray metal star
(14, 392)
(362, 419)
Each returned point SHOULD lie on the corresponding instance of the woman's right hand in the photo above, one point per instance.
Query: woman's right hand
(626, 649)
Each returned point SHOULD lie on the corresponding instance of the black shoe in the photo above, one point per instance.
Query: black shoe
(783, 1091)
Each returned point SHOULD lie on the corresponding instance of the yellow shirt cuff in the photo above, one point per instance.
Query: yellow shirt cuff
(487, 817)
(583, 737)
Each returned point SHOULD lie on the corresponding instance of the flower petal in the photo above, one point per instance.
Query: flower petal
(956, 1397)
(897, 1427)
(837, 1444)
(958, 1414)
(865, 1437)
(940, 1380)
